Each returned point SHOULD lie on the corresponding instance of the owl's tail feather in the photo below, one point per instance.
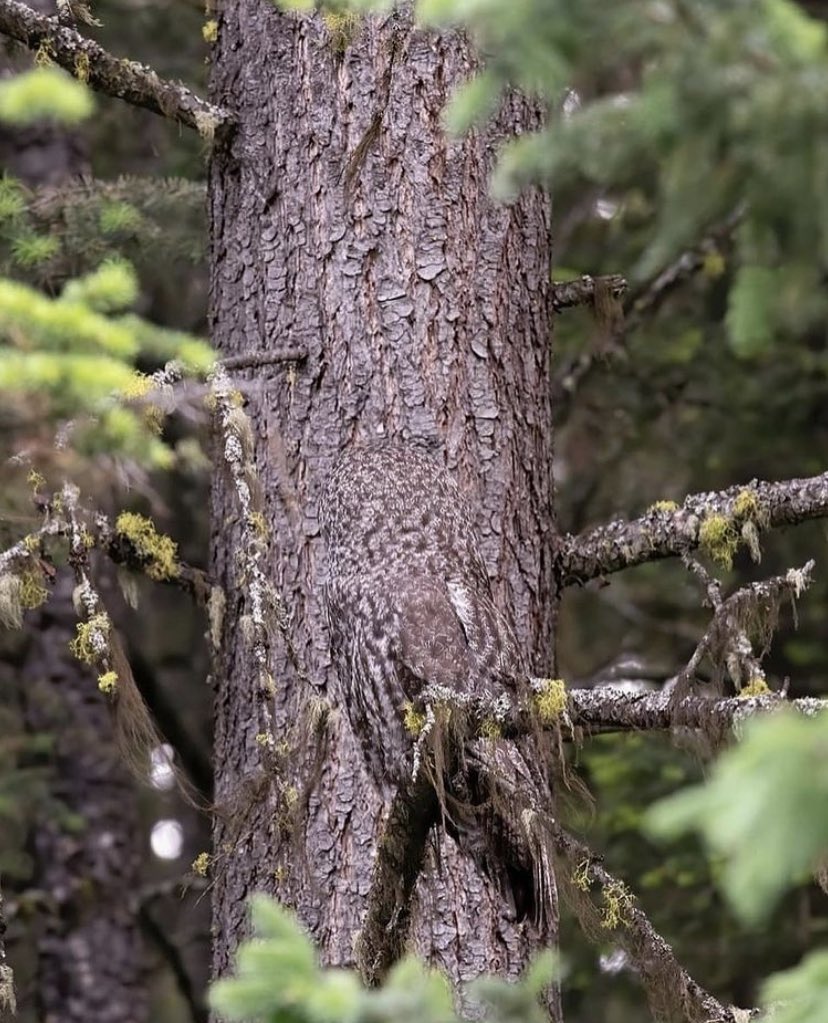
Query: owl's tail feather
(498, 809)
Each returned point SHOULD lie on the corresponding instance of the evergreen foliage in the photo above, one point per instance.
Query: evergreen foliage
(44, 93)
(279, 980)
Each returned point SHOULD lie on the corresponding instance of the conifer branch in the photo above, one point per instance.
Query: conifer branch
(89, 62)
(718, 522)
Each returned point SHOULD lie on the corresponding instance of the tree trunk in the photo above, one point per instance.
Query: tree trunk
(91, 964)
(345, 225)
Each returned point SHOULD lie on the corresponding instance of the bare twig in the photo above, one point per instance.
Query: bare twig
(663, 533)
(726, 638)
(125, 79)
(582, 290)
(641, 303)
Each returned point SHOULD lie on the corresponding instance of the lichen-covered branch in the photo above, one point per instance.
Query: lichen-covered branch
(754, 609)
(612, 710)
(125, 79)
(414, 810)
(716, 522)
(669, 987)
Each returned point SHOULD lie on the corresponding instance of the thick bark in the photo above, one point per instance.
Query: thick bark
(347, 227)
(90, 948)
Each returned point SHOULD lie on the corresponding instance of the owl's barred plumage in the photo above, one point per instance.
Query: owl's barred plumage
(409, 606)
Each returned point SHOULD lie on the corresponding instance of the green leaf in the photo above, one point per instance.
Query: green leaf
(799, 995)
(772, 786)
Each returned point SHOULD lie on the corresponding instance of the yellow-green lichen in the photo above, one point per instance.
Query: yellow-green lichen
(490, 729)
(108, 682)
(32, 591)
(341, 28)
(262, 739)
(209, 31)
(82, 67)
(138, 386)
(152, 417)
(45, 53)
(291, 797)
(748, 506)
(36, 480)
(550, 700)
(201, 864)
(663, 507)
(757, 686)
(413, 719)
(580, 876)
(618, 901)
(718, 539)
(158, 551)
(92, 638)
(259, 525)
(32, 543)
(713, 264)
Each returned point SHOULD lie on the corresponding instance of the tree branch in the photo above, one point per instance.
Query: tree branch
(399, 860)
(669, 533)
(611, 710)
(125, 79)
(640, 304)
(669, 986)
(582, 290)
